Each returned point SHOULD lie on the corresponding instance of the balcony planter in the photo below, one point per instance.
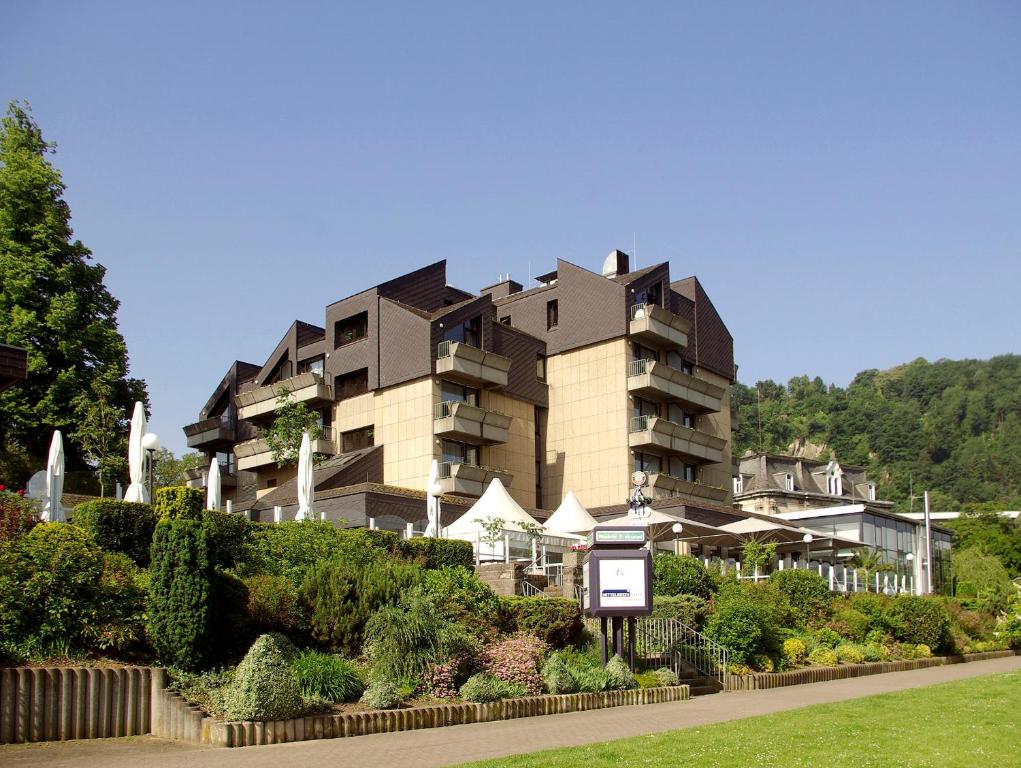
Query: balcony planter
(463, 363)
(469, 423)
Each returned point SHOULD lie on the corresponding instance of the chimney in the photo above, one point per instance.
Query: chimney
(617, 263)
(505, 287)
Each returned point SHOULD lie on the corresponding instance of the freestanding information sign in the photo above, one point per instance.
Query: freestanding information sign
(618, 583)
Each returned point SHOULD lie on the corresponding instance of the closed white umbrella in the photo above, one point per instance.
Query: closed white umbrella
(53, 510)
(136, 458)
(305, 479)
(433, 489)
(213, 486)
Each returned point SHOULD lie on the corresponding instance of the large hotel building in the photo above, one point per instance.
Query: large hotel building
(568, 385)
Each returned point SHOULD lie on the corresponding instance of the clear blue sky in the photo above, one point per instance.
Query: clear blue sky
(845, 178)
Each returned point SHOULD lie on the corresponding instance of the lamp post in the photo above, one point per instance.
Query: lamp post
(150, 444)
(911, 559)
(807, 538)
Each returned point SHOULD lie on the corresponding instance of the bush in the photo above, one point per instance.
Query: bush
(179, 502)
(264, 686)
(273, 604)
(432, 553)
(340, 597)
(848, 653)
(18, 516)
(484, 687)
(463, 597)
(794, 651)
(620, 676)
(687, 609)
(807, 593)
(983, 578)
(180, 589)
(667, 676)
(681, 575)
(1008, 626)
(229, 626)
(851, 624)
(824, 657)
(648, 680)
(327, 676)
(382, 694)
(516, 660)
(228, 537)
(556, 621)
(762, 663)
(921, 620)
(875, 652)
(118, 526)
(745, 622)
(557, 677)
(826, 637)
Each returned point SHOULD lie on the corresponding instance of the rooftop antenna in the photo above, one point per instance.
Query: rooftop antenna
(529, 272)
(634, 247)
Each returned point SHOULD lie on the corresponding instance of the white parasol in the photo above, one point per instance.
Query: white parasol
(53, 510)
(306, 489)
(136, 458)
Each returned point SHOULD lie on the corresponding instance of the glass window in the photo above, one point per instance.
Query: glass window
(640, 352)
(350, 329)
(469, 332)
(645, 408)
(351, 384)
(226, 461)
(357, 439)
(647, 462)
(457, 393)
(738, 484)
(505, 320)
(460, 453)
(312, 365)
(552, 314)
(651, 295)
(540, 367)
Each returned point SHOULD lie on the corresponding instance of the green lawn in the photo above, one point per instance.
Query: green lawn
(970, 723)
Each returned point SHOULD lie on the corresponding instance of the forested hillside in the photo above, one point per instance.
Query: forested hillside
(952, 427)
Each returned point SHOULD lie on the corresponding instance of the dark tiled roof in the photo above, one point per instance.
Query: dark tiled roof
(630, 277)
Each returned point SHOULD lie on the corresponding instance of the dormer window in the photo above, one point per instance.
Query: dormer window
(870, 491)
(788, 482)
(834, 479)
(738, 484)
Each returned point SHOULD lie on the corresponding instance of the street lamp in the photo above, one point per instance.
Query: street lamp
(911, 558)
(150, 444)
(807, 538)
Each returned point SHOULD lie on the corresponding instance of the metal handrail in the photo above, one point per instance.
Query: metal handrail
(683, 645)
(640, 423)
(639, 367)
(579, 595)
(443, 409)
(640, 307)
(530, 590)
(443, 349)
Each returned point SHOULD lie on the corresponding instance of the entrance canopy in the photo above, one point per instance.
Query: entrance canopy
(570, 517)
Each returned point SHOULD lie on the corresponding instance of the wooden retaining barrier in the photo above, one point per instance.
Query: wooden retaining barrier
(765, 680)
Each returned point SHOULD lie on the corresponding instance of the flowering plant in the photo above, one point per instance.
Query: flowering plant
(518, 659)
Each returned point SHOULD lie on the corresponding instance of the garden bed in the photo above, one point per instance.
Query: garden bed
(758, 681)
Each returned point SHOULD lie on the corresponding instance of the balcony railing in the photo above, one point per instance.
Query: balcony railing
(665, 485)
(256, 453)
(458, 420)
(469, 479)
(261, 403)
(214, 432)
(658, 326)
(461, 362)
(653, 380)
(659, 435)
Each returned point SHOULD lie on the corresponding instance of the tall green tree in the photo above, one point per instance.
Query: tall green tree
(291, 419)
(53, 302)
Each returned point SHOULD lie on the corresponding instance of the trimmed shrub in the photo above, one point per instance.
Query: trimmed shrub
(327, 676)
(18, 516)
(826, 637)
(666, 676)
(807, 593)
(382, 694)
(556, 621)
(621, 678)
(851, 624)
(484, 687)
(229, 626)
(687, 609)
(557, 677)
(591, 679)
(179, 502)
(180, 589)
(341, 596)
(745, 622)
(228, 537)
(874, 652)
(794, 651)
(824, 657)
(119, 526)
(648, 680)
(516, 660)
(762, 663)
(432, 553)
(848, 653)
(681, 575)
(921, 620)
(264, 686)
(463, 597)
(273, 604)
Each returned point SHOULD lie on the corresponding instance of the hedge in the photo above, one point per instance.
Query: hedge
(119, 526)
(439, 553)
(681, 575)
(179, 501)
(555, 620)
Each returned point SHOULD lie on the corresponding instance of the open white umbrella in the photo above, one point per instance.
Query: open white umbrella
(305, 479)
(136, 458)
(53, 510)
(213, 486)
(433, 489)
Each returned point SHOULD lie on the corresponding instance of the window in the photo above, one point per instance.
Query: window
(788, 482)
(651, 295)
(324, 417)
(460, 453)
(457, 393)
(351, 384)
(280, 372)
(638, 352)
(540, 367)
(690, 472)
(469, 332)
(687, 368)
(870, 491)
(739, 484)
(552, 314)
(312, 365)
(505, 320)
(834, 479)
(350, 329)
(271, 482)
(357, 439)
(226, 461)
(645, 408)
(648, 463)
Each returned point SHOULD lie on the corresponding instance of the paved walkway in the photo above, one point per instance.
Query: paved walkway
(463, 743)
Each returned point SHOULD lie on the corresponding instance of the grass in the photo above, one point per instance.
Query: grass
(966, 723)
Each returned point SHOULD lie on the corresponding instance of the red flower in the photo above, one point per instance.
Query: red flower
(3, 487)
(21, 492)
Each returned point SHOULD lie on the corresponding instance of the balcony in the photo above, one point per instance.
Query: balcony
(651, 324)
(470, 479)
(666, 486)
(657, 435)
(253, 454)
(196, 477)
(260, 404)
(465, 364)
(658, 381)
(469, 424)
(214, 433)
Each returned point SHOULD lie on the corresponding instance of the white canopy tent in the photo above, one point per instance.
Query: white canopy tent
(571, 517)
(213, 492)
(509, 539)
(136, 458)
(53, 510)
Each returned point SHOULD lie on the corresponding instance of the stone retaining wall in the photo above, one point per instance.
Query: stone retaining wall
(60, 703)
(765, 680)
(363, 723)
